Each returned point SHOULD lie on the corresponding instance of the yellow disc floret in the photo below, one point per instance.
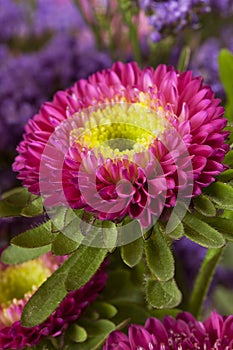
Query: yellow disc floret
(119, 129)
(17, 280)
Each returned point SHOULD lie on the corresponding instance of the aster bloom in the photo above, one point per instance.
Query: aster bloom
(125, 142)
(184, 332)
(19, 282)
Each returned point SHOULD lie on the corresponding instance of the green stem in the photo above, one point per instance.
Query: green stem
(135, 42)
(203, 280)
(127, 12)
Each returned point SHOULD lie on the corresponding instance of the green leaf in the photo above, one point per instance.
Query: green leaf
(89, 260)
(163, 294)
(226, 75)
(132, 253)
(77, 334)
(226, 176)
(204, 206)
(200, 232)
(7, 210)
(67, 221)
(158, 256)
(49, 295)
(98, 332)
(17, 255)
(110, 235)
(130, 230)
(178, 232)
(223, 225)
(228, 159)
(36, 237)
(17, 196)
(221, 194)
(105, 310)
(19, 201)
(34, 208)
(62, 245)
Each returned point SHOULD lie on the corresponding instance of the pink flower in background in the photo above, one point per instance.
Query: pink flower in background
(126, 141)
(184, 332)
(19, 282)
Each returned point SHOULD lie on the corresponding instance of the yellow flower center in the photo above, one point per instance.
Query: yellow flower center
(17, 280)
(119, 129)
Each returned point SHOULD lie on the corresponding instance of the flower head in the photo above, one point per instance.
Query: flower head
(184, 332)
(125, 142)
(19, 282)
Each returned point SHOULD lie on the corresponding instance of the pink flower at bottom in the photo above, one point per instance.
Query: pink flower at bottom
(19, 282)
(182, 333)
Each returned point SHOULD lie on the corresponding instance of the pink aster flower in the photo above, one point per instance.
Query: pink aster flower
(182, 333)
(126, 141)
(19, 282)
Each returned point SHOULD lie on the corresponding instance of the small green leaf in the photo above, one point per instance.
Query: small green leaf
(89, 261)
(178, 232)
(221, 194)
(17, 255)
(36, 237)
(49, 295)
(105, 310)
(226, 176)
(110, 235)
(7, 210)
(77, 334)
(228, 159)
(200, 232)
(18, 196)
(98, 327)
(67, 221)
(98, 332)
(18, 201)
(132, 253)
(62, 245)
(34, 208)
(129, 231)
(163, 294)
(159, 257)
(204, 206)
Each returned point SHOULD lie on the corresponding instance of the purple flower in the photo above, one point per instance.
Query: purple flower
(19, 282)
(55, 16)
(224, 7)
(184, 332)
(29, 79)
(13, 20)
(25, 19)
(170, 17)
(209, 68)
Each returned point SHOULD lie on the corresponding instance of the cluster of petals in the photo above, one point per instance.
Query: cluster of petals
(182, 333)
(180, 161)
(14, 336)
